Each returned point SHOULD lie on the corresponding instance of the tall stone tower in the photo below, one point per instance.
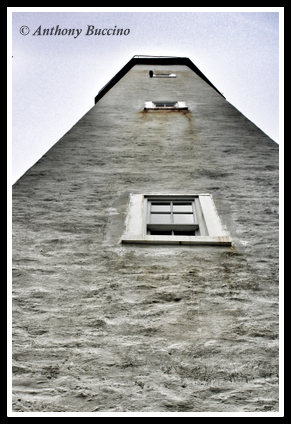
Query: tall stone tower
(145, 255)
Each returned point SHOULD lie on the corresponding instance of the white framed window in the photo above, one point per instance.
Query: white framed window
(172, 216)
(174, 219)
(165, 104)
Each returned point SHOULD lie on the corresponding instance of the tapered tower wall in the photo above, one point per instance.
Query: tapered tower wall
(103, 326)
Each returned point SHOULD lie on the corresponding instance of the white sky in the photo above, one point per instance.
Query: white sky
(55, 78)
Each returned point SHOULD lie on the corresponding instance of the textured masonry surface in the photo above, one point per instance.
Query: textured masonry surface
(101, 326)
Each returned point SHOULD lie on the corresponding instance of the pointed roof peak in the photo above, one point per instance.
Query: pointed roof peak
(153, 60)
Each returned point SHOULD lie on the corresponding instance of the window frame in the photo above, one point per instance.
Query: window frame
(168, 105)
(211, 229)
(170, 207)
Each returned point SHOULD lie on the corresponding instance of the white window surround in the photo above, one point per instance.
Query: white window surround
(137, 219)
(165, 104)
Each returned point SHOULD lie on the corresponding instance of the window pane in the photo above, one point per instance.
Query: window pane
(160, 208)
(184, 233)
(165, 103)
(183, 202)
(180, 218)
(160, 218)
(182, 208)
(161, 233)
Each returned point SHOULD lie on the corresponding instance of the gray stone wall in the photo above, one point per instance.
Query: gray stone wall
(101, 326)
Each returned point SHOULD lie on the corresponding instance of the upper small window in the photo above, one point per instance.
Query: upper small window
(165, 104)
(174, 219)
(152, 74)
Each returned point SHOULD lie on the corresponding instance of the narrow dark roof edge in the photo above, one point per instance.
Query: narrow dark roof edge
(153, 60)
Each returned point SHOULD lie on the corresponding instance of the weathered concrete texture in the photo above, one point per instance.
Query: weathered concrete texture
(100, 326)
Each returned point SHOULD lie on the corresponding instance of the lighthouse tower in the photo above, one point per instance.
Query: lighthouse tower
(145, 254)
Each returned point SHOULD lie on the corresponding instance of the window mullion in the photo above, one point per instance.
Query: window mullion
(172, 216)
(171, 212)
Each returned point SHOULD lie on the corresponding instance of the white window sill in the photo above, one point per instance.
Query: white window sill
(178, 240)
(164, 76)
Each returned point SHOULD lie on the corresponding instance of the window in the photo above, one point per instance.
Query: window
(170, 219)
(161, 75)
(165, 104)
